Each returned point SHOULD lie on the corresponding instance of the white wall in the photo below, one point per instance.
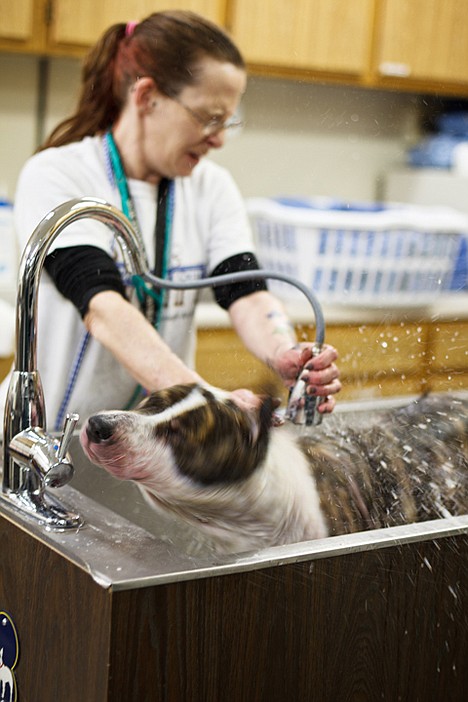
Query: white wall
(308, 139)
(18, 101)
(299, 138)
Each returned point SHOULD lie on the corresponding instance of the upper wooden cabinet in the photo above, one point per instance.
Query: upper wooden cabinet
(69, 27)
(85, 22)
(422, 40)
(23, 25)
(419, 45)
(322, 35)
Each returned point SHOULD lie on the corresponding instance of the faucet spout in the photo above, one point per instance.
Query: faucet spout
(32, 263)
(32, 459)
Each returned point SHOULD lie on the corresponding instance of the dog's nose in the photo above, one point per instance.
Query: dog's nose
(100, 427)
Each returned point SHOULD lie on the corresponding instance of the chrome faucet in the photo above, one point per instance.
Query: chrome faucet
(34, 460)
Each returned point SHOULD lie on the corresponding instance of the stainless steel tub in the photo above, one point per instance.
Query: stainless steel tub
(121, 610)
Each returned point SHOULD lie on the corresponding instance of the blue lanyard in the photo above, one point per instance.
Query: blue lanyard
(163, 225)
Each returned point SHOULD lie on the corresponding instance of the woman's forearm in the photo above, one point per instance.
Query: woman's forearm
(261, 322)
(124, 331)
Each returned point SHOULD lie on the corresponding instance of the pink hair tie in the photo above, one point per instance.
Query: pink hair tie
(130, 28)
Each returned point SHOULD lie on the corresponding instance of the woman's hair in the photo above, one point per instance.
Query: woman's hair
(166, 46)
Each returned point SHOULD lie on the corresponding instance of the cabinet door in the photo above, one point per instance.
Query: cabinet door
(22, 25)
(82, 23)
(423, 40)
(323, 35)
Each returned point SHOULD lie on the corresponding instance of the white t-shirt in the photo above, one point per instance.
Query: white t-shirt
(209, 225)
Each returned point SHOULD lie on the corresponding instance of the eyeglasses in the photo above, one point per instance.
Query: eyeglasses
(210, 125)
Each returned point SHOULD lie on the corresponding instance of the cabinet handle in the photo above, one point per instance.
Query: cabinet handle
(394, 68)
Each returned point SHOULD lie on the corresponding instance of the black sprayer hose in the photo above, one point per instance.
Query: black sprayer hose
(241, 276)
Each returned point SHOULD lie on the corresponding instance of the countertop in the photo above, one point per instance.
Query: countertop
(448, 307)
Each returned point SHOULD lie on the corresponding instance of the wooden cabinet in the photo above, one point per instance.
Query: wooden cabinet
(23, 25)
(447, 361)
(422, 41)
(376, 360)
(69, 28)
(379, 360)
(419, 45)
(5, 365)
(223, 360)
(322, 35)
(84, 25)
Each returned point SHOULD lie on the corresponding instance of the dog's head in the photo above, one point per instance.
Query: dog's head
(195, 431)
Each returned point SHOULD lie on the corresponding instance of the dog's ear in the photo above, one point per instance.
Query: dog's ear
(264, 418)
(265, 415)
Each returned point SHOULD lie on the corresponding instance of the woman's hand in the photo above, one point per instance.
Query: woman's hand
(320, 373)
(246, 399)
(250, 402)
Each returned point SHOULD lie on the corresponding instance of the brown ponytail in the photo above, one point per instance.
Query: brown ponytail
(97, 107)
(166, 46)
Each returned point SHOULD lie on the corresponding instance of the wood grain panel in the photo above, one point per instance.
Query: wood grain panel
(369, 349)
(224, 361)
(17, 19)
(449, 346)
(328, 35)
(441, 51)
(389, 624)
(375, 360)
(84, 23)
(62, 619)
(5, 365)
(449, 381)
(22, 25)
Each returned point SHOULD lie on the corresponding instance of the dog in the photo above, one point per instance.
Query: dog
(6, 678)
(243, 483)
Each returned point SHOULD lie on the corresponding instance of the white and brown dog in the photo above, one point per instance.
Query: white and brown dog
(245, 484)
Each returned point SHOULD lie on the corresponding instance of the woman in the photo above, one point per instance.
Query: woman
(156, 97)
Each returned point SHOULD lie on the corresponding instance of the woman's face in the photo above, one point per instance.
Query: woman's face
(179, 131)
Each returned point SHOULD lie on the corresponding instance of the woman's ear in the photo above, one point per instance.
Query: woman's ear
(145, 94)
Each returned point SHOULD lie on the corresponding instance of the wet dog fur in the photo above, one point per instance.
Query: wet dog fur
(243, 484)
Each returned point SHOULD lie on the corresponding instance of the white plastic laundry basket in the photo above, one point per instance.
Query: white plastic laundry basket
(397, 255)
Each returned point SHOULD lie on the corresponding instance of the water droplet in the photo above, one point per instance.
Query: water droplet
(452, 592)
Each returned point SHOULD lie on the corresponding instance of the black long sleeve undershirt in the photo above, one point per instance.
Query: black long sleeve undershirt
(225, 295)
(80, 272)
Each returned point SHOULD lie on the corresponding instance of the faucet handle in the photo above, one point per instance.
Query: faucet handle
(67, 433)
